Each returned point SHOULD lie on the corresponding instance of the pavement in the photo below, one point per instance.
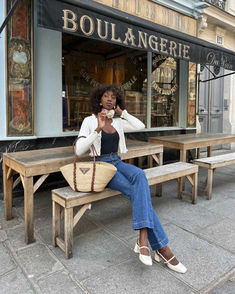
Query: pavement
(202, 236)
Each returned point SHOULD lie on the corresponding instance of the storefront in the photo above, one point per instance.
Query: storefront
(150, 51)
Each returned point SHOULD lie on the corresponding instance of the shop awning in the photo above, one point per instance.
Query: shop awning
(93, 20)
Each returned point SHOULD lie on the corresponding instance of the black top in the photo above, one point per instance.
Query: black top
(109, 142)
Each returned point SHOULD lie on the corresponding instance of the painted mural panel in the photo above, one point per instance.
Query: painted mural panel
(20, 70)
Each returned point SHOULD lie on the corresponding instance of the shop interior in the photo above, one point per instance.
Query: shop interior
(86, 63)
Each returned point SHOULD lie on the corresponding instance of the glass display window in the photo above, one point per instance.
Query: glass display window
(87, 64)
(164, 90)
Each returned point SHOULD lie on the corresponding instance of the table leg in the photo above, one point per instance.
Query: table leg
(28, 210)
(183, 155)
(209, 151)
(7, 187)
(183, 158)
(198, 153)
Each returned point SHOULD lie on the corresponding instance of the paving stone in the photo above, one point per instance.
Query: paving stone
(221, 233)
(59, 282)
(205, 262)
(184, 214)
(16, 221)
(225, 208)
(93, 252)
(3, 236)
(227, 288)
(7, 263)
(15, 283)
(16, 237)
(133, 277)
(37, 260)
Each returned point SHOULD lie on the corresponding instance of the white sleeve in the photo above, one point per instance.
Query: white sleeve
(131, 123)
(84, 144)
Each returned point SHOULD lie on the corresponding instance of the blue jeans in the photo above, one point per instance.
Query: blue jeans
(131, 181)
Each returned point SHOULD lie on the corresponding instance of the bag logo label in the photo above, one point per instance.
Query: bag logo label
(84, 170)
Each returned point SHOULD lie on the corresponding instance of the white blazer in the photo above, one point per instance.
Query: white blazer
(126, 122)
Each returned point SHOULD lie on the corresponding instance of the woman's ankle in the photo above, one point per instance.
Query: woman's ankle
(167, 254)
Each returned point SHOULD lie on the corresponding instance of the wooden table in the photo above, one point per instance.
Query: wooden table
(193, 141)
(42, 163)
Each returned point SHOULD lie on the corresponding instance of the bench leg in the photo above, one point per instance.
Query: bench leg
(209, 183)
(194, 188)
(68, 232)
(55, 222)
(180, 187)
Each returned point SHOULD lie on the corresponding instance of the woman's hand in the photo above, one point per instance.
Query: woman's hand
(101, 121)
(118, 110)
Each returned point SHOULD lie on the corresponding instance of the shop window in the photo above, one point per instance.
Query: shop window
(164, 87)
(88, 63)
(192, 94)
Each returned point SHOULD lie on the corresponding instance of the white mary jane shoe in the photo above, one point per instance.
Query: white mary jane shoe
(179, 268)
(145, 259)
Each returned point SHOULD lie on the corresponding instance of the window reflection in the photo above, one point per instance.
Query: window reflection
(164, 86)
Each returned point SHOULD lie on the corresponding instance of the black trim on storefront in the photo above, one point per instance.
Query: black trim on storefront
(126, 28)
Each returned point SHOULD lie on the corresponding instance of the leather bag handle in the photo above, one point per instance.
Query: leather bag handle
(76, 158)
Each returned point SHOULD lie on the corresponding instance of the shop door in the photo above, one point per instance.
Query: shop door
(211, 103)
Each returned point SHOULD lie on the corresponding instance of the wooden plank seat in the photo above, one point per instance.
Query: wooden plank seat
(211, 163)
(65, 199)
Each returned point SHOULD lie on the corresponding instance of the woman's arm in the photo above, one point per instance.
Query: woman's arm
(84, 144)
(131, 123)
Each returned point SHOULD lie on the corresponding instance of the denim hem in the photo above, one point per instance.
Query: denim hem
(143, 224)
(159, 245)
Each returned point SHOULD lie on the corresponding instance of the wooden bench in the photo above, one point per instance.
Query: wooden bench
(65, 199)
(211, 163)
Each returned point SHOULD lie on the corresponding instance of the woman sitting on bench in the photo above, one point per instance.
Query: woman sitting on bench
(107, 135)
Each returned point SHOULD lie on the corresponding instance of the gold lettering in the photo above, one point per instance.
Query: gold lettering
(142, 39)
(153, 44)
(68, 20)
(82, 25)
(113, 25)
(173, 47)
(180, 50)
(129, 37)
(186, 51)
(163, 45)
(105, 36)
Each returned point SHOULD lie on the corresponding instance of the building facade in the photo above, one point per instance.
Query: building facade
(217, 97)
(148, 48)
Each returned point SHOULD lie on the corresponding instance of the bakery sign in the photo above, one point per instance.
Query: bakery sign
(67, 17)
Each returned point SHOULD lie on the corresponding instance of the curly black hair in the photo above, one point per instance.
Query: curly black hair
(97, 94)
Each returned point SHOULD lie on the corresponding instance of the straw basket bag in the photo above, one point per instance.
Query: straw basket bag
(88, 176)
